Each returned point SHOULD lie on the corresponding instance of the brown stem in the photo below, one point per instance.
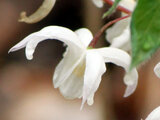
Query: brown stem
(120, 8)
(99, 33)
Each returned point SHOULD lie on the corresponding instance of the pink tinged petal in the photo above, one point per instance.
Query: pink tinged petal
(154, 115)
(95, 67)
(121, 58)
(85, 36)
(98, 3)
(157, 70)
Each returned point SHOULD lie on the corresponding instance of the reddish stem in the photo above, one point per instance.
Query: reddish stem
(99, 33)
(120, 8)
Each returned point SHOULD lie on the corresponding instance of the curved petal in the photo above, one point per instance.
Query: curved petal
(117, 29)
(51, 32)
(157, 70)
(98, 3)
(131, 80)
(41, 13)
(85, 36)
(122, 41)
(72, 87)
(95, 67)
(54, 32)
(20, 45)
(121, 58)
(154, 115)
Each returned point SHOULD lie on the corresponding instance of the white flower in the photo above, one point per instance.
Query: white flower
(119, 34)
(79, 73)
(154, 115)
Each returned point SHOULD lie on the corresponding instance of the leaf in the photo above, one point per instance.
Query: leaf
(110, 11)
(145, 30)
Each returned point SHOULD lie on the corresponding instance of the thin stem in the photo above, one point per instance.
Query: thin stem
(99, 33)
(120, 8)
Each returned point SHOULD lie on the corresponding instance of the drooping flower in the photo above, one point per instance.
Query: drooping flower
(78, 75)
(154, 115)
(40, 13)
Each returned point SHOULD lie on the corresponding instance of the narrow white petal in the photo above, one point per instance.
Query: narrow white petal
(95, 67)
(131, 80)
(85, 36)
(121, 58)
(98, 3)
(128, 4)
(154, 115)
(53, 32)
(157, 70)
(19, 45)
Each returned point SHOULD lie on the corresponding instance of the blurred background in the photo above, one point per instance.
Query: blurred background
(26, 89)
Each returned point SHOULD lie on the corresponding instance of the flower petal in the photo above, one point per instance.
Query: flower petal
(121, 58)
(98, 3)
(154, 115)
(95, 67)
(85, 36)
(157, 70)
(20, 45)
(122, 41)
(54, 32)
(51, 32)
(72, 87)
(119, 34)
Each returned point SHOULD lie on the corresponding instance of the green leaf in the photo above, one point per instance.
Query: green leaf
(110, 11)
(145, 30)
